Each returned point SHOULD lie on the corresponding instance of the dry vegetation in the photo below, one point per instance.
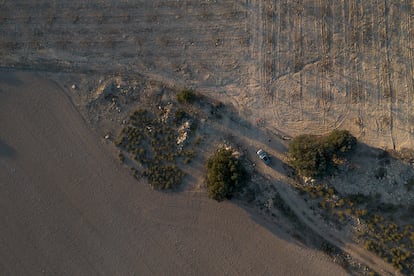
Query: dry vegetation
(381, 226)
(384, 228)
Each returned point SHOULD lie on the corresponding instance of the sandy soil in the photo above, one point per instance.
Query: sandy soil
(68, 208)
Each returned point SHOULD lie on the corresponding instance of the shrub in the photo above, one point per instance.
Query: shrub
(225, 175)
(410, 184)
(359, 198)
(121, 157)
(380, 173)
(186, 96)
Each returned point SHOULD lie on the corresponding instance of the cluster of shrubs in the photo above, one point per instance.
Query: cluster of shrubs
(152, 141)
(313, 156)
(163, 176)
(225, 175)
(333, 205)
(394, 243)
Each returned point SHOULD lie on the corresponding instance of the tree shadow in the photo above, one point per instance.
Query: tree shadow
(286, 226)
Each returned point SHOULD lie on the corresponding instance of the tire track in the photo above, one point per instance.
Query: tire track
(410, 65)
(388, 74)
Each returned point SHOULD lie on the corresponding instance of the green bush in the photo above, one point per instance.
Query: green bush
(312, 155)
(186, 96)
(225, 175)
(307, 155)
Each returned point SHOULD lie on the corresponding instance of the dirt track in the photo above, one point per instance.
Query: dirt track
(68, 208)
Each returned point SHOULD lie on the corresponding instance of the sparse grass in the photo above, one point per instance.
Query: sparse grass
(393, 242)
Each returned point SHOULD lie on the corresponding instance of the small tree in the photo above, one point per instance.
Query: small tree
(313, 156)
(307, 156)
(225, 175)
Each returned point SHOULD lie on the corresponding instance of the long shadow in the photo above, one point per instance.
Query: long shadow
(6, 151)
(8, 77)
